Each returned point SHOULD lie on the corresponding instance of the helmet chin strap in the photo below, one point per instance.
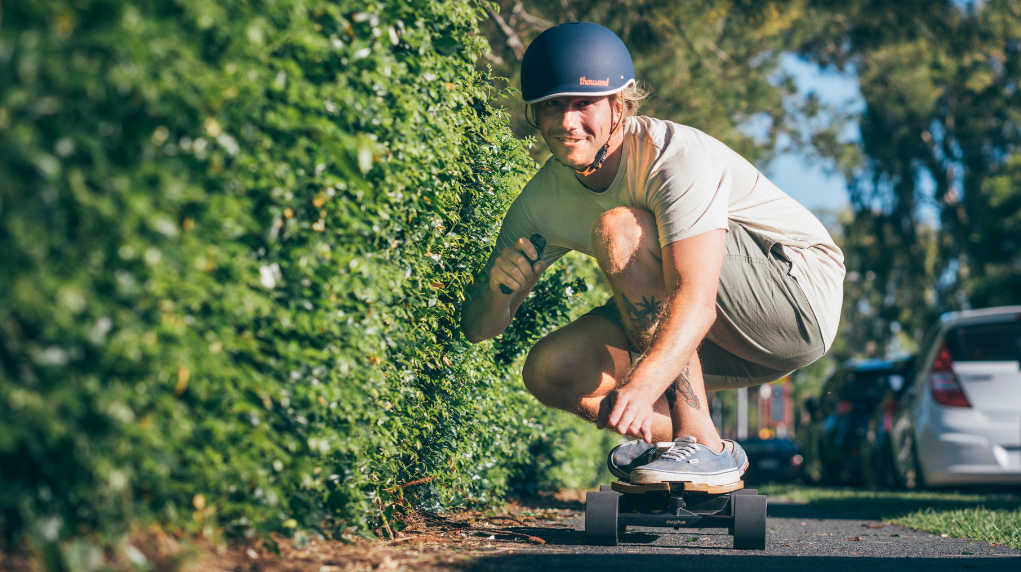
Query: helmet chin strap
(600, 155)
(598, 162)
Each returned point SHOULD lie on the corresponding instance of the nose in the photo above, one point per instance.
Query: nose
(569, 118)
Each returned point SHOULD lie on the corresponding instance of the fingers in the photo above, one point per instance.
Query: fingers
(647, 430)
(627, 418)
(524, 245)
(513, 269)
(604, 411)
(616, 412)
(635, 429)
(504, 274)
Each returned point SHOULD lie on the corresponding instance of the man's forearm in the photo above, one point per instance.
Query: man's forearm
(681, 329)
(483, 317)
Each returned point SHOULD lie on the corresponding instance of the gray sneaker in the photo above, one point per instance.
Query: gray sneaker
(687, 461)
(627, 457)
(740, 457)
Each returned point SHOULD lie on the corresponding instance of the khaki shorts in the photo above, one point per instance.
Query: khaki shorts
(764, 328)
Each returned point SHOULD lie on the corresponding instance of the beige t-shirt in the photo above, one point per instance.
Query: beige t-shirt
(692, 184)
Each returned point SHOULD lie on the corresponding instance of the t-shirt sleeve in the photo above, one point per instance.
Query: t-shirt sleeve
(517, 223)
(688, 193)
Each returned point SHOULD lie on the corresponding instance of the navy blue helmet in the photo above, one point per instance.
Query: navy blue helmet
(576, 58)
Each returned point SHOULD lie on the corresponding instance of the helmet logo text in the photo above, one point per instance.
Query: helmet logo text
(604, 83)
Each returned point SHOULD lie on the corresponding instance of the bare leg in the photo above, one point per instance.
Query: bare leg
(577, 366)
(626, 244)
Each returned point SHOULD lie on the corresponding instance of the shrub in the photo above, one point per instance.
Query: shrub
(234, 239)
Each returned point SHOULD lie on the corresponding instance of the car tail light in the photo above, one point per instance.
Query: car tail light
(946, 390)
(844, 407)
(796, 461)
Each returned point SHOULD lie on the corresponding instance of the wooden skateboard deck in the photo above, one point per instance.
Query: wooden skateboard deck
(688, 487)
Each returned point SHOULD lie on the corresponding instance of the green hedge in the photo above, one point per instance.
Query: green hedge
(234, 238)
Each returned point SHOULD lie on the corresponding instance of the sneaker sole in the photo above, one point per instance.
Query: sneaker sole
(640, 477)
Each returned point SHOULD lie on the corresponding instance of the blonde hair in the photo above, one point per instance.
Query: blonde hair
(632, 96)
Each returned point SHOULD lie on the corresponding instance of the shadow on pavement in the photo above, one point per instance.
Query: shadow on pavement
(723, 563)
(806, 511)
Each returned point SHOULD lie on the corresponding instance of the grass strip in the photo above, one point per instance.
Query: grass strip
(992, 517)
(996, 526)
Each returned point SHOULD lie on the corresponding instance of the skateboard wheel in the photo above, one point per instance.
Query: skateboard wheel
(749, 528)
(601, 510)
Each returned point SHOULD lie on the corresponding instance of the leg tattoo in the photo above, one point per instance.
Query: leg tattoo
(640, 320)
(682, 385)
(646, 313)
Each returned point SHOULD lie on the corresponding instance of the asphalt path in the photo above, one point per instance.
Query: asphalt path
(799, 538)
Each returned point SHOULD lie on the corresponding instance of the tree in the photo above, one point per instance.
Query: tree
(940, 133)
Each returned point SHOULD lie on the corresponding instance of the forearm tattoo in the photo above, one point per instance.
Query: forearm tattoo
(683, 386)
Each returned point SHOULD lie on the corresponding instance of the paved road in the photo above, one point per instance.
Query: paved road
(799, 538)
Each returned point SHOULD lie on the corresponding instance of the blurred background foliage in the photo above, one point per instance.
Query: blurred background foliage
(936, 195)
(234, 236)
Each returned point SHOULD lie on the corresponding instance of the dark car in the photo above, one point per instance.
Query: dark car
(878, 460)
(772, 460)
(840, 418)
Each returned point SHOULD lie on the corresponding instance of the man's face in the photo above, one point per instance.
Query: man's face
(575, 127)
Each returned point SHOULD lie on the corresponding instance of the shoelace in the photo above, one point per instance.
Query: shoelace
(681, 450)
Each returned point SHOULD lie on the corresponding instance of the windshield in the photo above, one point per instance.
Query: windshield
(986, 342)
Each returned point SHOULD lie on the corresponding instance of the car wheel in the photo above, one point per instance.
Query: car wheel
(919, 477)
(887, 472)
(870, 467)
(908, 472)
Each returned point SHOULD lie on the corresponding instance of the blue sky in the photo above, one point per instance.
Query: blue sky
(805, 180)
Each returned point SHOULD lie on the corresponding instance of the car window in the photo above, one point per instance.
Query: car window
(768, 446)
(831, 390)
(1000, 341)
(865, 385)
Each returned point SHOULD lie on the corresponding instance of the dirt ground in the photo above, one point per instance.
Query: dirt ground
(547, 534)
(430, 543)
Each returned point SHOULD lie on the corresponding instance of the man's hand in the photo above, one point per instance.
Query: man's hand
(629, 411)
(513, 270)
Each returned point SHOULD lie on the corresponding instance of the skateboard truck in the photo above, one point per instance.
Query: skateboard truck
(613, 508)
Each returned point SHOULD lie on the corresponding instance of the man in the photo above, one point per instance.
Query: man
(720, 280)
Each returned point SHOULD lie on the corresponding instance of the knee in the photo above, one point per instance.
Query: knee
(552, 376)
(621, 234)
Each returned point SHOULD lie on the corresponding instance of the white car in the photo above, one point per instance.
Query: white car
(959, 423)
